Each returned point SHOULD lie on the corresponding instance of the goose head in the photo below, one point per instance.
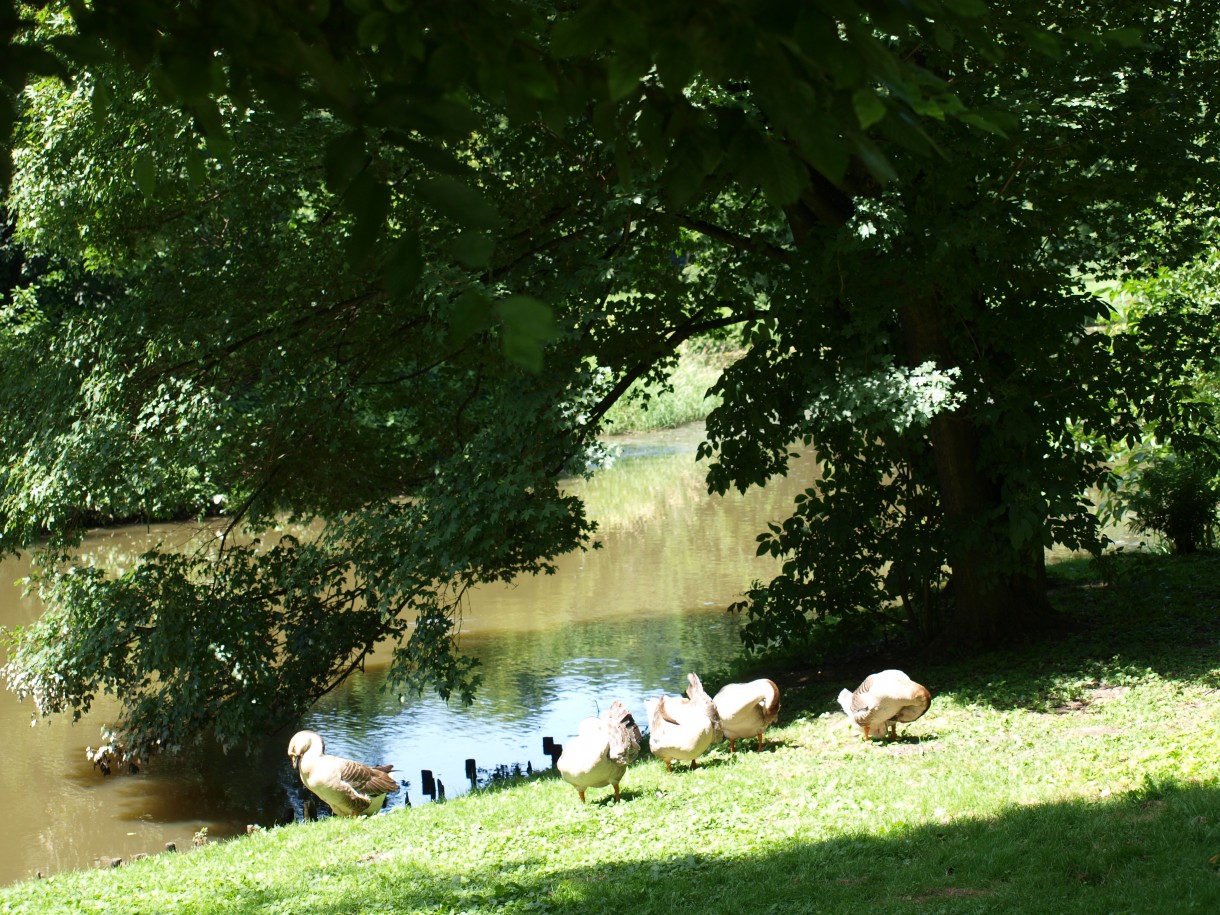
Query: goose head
(302, 742)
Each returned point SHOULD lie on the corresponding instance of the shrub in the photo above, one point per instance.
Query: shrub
(1177, 498)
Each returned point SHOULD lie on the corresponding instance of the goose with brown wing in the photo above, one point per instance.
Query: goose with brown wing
(350, 788)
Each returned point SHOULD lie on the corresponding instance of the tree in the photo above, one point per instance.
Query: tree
(304, 315)
(1169, 477)
(976, 262)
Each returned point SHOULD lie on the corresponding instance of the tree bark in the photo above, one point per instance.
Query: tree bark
(998, 590)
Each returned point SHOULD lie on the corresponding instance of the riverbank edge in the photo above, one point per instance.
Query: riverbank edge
(1081, 770)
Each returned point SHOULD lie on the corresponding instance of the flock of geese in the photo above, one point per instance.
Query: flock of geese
(680, 728)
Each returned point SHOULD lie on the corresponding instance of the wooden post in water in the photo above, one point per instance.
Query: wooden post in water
(427, 783)
(472, 773)
(552, 749)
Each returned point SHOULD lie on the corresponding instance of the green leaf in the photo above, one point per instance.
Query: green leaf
(528, 325)
(595, 27)
(460, 202)
(785, 179)
(983, 123)
(765, 163)
(1127, 38)
(436, 158)
(189, 73)
(81, 49)
(100, 102)
(33, 60)
(869, 107)
(1045, 43)
(207, 115)
(945, 36)
(623, 74)
(196, 167)
(346, 157)
(403, 265)
(474, 249)
(373, 28)
(144, 173)
(368, 200)
(577, 36)
(470, 315)
(622, 161)
(875, 161)
(969, 8)
(676, 65)
(823, 148)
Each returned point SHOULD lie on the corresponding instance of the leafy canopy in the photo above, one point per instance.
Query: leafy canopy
(381, 269)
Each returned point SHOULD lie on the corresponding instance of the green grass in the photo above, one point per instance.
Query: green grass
(647, 408)
(1078, 775)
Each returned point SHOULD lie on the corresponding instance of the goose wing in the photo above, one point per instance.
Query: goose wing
(753, 705)
(622, 733)
(889, 695)
(359, 782)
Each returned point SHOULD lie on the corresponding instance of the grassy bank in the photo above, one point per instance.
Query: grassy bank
(648, 408)
(1081, 775)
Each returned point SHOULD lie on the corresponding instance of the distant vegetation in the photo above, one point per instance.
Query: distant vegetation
(685, 399)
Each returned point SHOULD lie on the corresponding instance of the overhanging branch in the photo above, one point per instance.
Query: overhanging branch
(670, 344)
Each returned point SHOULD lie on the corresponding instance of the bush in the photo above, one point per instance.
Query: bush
(1177, 498)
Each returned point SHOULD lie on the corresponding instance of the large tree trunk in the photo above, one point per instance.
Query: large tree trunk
(998, 589)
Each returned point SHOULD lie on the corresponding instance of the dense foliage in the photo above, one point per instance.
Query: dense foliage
(381, 269)
(1165, 325)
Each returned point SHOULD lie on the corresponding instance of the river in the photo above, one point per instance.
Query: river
(623, 622)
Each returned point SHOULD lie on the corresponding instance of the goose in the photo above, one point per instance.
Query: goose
(599, 755)
(883, 700)
(747, 710)
(682, 728)
(349, 787)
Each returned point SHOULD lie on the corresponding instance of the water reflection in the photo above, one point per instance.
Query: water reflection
(622, 622)
(538, 683)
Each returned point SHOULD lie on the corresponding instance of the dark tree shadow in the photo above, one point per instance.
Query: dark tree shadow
(1158, 614)
(1143, 853)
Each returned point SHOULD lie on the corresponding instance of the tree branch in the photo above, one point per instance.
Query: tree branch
(676, 337)
(732, 239)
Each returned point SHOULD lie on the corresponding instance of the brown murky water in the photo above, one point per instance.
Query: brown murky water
(627, 621)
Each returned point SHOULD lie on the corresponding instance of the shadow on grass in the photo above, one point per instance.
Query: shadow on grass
(1148, 616)
(1157, 616)
(1150, 852)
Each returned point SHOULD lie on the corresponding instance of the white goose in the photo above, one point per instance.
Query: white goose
(747, 710)
(682, 728)
(883, 700)
(349, 787)
(599, 755)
